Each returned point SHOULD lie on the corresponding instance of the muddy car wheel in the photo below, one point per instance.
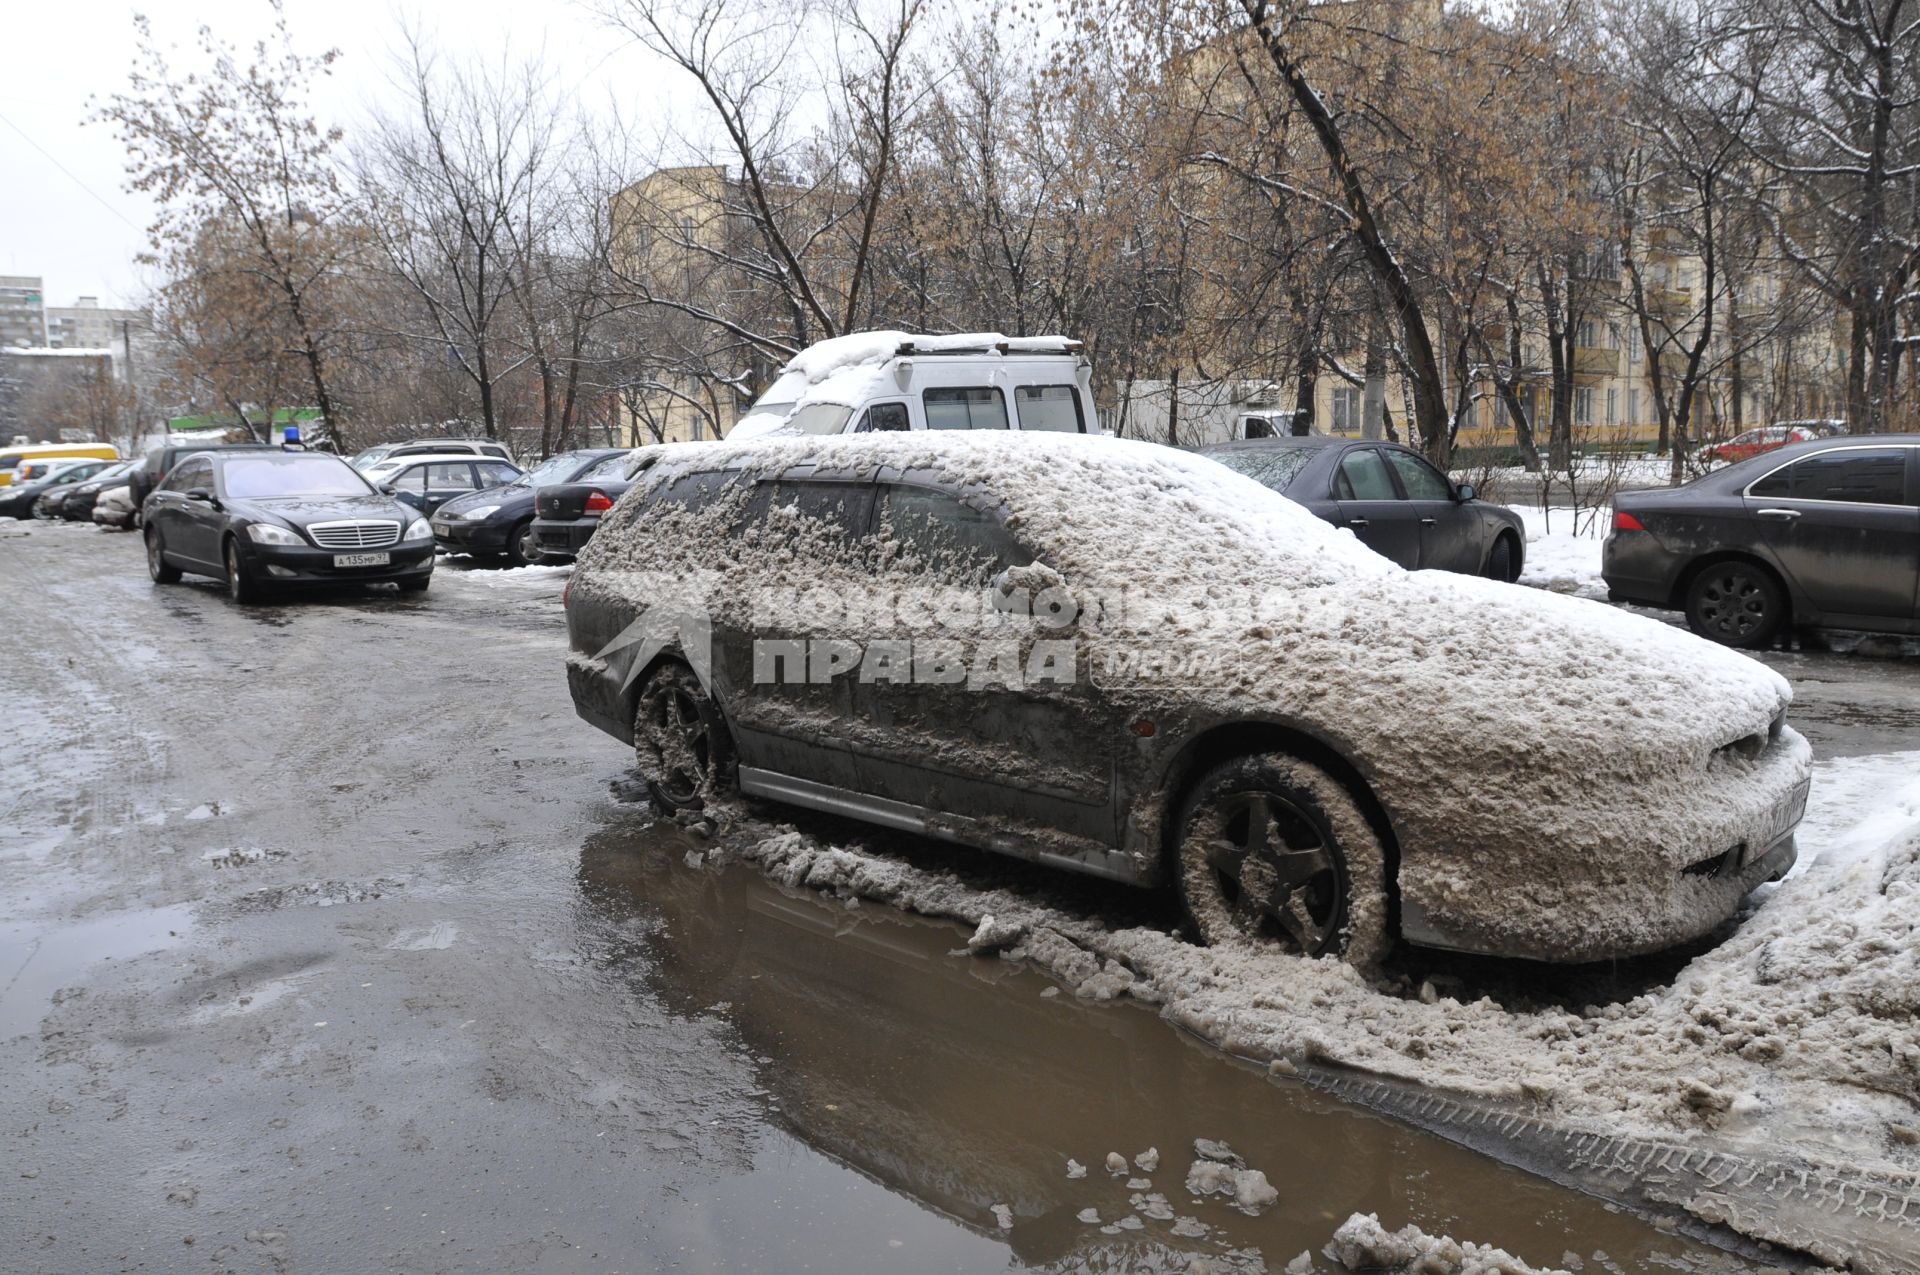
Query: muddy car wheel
(241, 587)
(1274, 850)
(1500, 561)
(680, 740)
(157, 566)
(1737, 604)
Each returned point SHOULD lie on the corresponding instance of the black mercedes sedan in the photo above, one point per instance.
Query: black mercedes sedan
(498, 522)
(567, 514)
(261, 519)
(1391, 497)
(1818, 534)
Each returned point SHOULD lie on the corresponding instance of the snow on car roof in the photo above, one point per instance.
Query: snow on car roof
(832, 370)
(1102, 507)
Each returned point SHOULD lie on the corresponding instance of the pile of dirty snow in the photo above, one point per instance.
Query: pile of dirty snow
(1362, 1244)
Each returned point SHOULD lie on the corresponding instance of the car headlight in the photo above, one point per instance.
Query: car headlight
(475, 515)
(418, 530)
(266, 534)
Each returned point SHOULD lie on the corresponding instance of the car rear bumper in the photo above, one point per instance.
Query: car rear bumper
(293, 565)
(1637, 568)
(563, 537)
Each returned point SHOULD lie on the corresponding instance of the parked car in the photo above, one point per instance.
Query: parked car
(430, 447)
(428, 481)
(75, 501)
(261, 519)
(41, 478)
(115, 509)
(1757, 442)
(497, 522)
(1389, 496)
(880, 382)
(1817, 534)
(567, 514)
(158, 463)
(1324, 751)
(13, 458)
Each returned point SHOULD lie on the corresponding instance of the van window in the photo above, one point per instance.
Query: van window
(819, 418)
(1049, 407)
(965, 407)
(884, 418)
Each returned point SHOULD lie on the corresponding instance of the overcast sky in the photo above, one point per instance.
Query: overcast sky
(64, 214)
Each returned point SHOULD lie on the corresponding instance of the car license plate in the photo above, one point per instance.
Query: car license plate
(362, 559)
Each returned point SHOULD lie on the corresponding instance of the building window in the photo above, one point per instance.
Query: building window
(1583, 406)
(1346, 410)
(1633, 407)
(1584, 335)
(1613, 407)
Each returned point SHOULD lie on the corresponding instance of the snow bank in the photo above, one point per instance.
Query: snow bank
(1362, 1244)
(1561, 558)
(1794, 1037)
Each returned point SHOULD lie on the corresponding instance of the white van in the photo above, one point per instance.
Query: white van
(870, 381)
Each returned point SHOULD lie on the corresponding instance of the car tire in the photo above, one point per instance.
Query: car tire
(522, 549)
(1250, 824)
(1736, 603)
(680, 740)
(157, 565)
(241, 587)
(1500, 561)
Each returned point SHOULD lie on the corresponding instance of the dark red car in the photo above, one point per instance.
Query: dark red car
(1756, 441)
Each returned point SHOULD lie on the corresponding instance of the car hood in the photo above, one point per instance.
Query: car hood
(302, 511)
(1469, 678)
(511, 497)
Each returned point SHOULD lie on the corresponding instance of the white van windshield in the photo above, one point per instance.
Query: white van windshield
(819, 418)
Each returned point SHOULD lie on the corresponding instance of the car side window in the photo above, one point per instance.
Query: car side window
(188, 474)
(492, 475)
(1857, 476)
(449, 477)
(611, 467)
(1055, 408)
(844, 507)
(883, 418)
(964, 407)
(1422, 481)
(941, 534)
(1363, 476)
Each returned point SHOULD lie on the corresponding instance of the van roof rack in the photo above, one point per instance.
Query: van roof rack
(1019, 345)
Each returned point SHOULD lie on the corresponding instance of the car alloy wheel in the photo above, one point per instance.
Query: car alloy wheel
(240, 587)
(522, 548)
(680, 741)
(1274, 850)
(157, 561)
(1735, 604)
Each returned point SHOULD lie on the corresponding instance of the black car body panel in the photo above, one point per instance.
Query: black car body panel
(1835, 521)
(455, 531)
(195, 517)
(563, 524)
(1389, 496)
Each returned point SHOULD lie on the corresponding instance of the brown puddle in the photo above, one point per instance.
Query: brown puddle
(952, 1081)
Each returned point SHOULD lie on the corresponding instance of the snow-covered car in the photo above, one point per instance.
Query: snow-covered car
(883, 382)
(115, 508)
(1127, 661)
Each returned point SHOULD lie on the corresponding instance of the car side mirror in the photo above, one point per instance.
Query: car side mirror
(1465, 492)
(387, 489)
(200, 494)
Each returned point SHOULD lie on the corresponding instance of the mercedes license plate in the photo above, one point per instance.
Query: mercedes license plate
(362, 559)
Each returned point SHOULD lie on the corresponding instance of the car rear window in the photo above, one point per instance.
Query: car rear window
(1048, 407)
(1272, 467)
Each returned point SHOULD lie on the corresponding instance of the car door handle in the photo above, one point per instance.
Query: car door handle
(1784, 515)
(1426, 522)
(1356, 522)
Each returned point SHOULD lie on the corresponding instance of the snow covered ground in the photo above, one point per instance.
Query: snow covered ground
(1794, 1037)
(1563, 550)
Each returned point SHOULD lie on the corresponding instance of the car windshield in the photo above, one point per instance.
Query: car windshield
(371, 456)
(1272, 467)
(819, 418)
(293, 474)
(554, 469)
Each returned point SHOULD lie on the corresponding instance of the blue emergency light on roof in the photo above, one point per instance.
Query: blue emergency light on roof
(292, 436)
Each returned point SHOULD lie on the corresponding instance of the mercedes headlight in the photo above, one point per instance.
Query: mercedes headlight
(262, 533)
(418, 530)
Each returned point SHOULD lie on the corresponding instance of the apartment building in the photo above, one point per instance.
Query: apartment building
(23, 312)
